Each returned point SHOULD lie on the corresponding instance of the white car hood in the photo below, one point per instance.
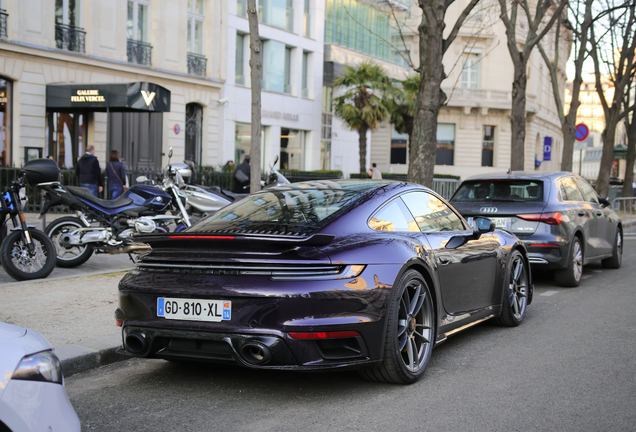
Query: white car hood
(15, 343)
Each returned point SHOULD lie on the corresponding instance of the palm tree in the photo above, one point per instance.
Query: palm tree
(401, 104)
(361, 106)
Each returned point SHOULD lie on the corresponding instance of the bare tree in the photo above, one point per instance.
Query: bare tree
(578, 29)
(255, 75)
(612, 45)
(520, 54)
(630, 126)
(430, 96)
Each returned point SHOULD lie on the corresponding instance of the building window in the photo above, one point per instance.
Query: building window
(196, 59)
(292, 149)
(325, 130)
(277, 13)
(470, 71)
(488, 146)
(445, 154)
(139, 50)
(3, 22)
(68, 33)
(241, 8)
(239, 61)
(307, 19)
(67, 134)
(193, 132)
(243, 142)
(276, 69)
(6, 103)
(399, 145)
(305, 80)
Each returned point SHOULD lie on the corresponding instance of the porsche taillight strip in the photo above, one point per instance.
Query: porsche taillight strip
(325, 335)
(198, 237)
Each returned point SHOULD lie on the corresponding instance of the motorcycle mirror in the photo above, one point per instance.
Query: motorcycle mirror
(141, 179)
(170, 153)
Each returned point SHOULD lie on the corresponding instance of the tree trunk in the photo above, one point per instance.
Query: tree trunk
(430, 97)
(569, 134)
(518, 117)
(607, 160)
(362, 144)
(255, 75)
(630, 159)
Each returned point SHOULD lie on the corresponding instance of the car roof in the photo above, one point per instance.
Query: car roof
(515, 175)
(350, 185)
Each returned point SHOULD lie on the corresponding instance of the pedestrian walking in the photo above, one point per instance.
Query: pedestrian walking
(228, 167)
(116, 173)
(89, 172)
(374, 172)
(242, 176)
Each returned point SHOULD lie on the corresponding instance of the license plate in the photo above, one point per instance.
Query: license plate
(194, 310)
(501, 222)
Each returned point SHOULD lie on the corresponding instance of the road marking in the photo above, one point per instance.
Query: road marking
(549, 293)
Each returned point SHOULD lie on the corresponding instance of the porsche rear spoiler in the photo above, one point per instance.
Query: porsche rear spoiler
(199, 240)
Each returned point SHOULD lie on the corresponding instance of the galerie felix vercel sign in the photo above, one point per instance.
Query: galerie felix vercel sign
(137, 96)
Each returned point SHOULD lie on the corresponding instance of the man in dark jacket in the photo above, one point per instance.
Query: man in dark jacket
(242, 176)
(88, 171)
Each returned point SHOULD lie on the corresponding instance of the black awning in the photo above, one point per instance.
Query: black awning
(136, 96)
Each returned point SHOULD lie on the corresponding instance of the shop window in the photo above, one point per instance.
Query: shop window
(243, 143)
(445, 154)
(325, 140)
(6, 100)
(399, 146)
(66, 134)
(193, 130)
(292, 149)
(488, 146)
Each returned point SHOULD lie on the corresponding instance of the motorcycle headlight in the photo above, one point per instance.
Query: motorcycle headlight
(42, 366)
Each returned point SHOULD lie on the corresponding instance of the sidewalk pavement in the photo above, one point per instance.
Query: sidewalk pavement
(73, 308)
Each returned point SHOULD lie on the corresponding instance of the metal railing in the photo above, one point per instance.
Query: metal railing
(70, 38)
(626, 210)
(3, 23)
(197, 64)
(139, 52)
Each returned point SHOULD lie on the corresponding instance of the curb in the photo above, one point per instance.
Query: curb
(89, 354)
(48, 279)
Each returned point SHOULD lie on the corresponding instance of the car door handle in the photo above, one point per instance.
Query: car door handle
(581, 213)
(445, 260)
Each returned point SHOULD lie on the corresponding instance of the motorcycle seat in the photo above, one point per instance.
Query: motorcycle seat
(86, 194)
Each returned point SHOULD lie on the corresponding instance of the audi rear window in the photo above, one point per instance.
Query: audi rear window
(499, 191)
(292, 211)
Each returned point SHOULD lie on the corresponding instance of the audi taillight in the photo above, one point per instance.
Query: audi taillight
(549, 218)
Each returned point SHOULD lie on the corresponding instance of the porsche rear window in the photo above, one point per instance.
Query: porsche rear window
(499, 191)
(286, 211)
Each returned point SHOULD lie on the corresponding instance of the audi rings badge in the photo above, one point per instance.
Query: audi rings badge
(488, 210)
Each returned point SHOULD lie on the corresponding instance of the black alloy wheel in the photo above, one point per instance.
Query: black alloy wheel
(410, 333)
(571, 275)
(68, 256)
(515, 292)
(615, 261)
(22, 264)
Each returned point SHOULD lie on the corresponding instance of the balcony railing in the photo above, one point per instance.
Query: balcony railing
(139, 52)
(196, 64)
(70, 38)
(3, 23)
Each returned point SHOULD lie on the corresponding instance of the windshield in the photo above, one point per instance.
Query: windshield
(499, 191)
(290, 211)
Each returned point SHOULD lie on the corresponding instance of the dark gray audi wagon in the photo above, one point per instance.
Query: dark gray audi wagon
(558, 216)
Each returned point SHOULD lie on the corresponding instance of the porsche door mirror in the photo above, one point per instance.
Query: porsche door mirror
(483, 225)
(603, 200)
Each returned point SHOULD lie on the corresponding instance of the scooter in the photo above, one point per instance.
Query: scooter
(107, 226)
(26, 253)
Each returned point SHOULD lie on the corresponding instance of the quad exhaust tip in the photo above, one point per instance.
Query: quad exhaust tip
(256, 353)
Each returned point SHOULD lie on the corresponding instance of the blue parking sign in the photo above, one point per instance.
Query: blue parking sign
(547, 148)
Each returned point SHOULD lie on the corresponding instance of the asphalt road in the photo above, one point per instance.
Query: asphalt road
(569, 367)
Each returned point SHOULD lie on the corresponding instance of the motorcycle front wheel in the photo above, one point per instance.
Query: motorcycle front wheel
(68, 256)
(20, 263)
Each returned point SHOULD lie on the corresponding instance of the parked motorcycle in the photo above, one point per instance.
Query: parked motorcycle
(26, 253)
(107, 226)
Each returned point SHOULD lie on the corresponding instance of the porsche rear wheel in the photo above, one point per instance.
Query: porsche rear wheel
(410, 333)
(515, 295)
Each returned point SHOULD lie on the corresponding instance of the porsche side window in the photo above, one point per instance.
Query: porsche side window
(588, 192)
(569, 190)
(431, 214)
(393, 217)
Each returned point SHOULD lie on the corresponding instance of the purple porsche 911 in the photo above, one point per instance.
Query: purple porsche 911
(366, 275)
